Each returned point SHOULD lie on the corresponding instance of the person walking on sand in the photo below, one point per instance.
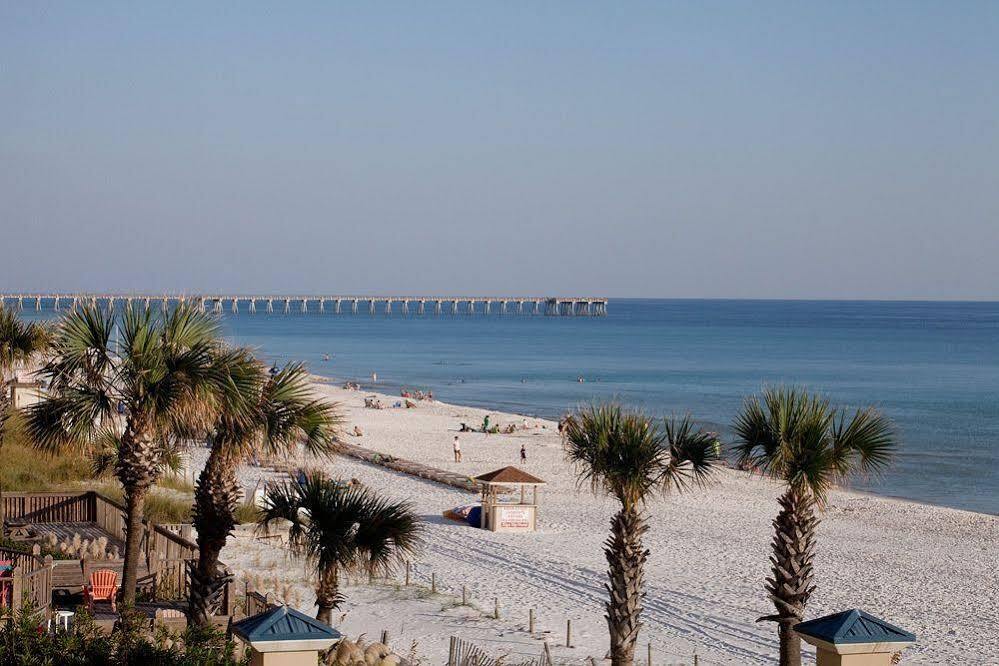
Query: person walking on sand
(457, 449)
(523, 454)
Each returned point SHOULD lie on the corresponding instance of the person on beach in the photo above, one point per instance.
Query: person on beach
(456, 446)
(523, 454)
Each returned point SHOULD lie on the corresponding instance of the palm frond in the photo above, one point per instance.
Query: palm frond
(629, 456)
(74, 418)
(20, 342)
(80, 350)
(350, 529)
(798, 438)
(692, 454)
(869, 438)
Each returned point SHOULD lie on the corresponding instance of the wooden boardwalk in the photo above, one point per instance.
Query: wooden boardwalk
(416, 469)
(419, 470)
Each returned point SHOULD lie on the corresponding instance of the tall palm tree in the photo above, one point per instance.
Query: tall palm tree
(20, 343)
(632, 458)
(284, 413)
(799, 440)
(169, 378)
(342, 530)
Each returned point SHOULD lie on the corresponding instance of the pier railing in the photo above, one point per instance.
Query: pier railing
(552, 306)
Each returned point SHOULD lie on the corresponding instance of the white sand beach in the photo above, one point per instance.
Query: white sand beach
(928, 569)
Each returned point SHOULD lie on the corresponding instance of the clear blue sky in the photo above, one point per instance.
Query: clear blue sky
(729, 149)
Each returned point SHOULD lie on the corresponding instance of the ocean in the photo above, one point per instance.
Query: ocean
(932, 367)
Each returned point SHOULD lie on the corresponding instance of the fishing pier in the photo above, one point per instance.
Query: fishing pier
(339, 305)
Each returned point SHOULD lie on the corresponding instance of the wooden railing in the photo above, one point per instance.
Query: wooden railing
(166, 553)
(110, 517)
(59, 507)
(30, 580)
(256, 602)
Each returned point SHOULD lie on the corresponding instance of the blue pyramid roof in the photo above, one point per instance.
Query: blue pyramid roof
(283, 624)
(853, 626)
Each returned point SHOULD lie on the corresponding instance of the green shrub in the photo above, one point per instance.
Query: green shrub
(247, 513)
(25, 642)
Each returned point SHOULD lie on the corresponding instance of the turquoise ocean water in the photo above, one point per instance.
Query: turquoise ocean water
(933, 367)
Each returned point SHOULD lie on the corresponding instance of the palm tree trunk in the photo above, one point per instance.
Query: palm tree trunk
(626, 560)
(215, 500)
(135, 500)
(328, 595)
(791, 584)
(137, 469)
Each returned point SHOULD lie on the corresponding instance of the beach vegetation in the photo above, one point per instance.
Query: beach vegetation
(797, 438)
(342, 530)
(21, 343)
(25, 640)
(633, 458)
(166, 380)
(282, 413)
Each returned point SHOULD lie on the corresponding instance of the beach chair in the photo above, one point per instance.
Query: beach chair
(103, 586)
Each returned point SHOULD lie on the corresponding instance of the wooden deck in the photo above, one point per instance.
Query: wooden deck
(69, 575)
(163, 566)
(87, 531)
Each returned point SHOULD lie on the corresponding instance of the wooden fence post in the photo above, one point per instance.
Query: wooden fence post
(433, 583)
(496, 608)
(17, 587)
(385, 637)
(464, 595)
(650, 654)
(568, 633)
(530, 621)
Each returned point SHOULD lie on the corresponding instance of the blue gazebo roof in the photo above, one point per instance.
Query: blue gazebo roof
(283, 624)
(853, 626)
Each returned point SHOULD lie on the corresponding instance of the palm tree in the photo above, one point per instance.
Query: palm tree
(799, 440)
(632, 458)
(169, 379)
(20, 343)
(283, 414)
(342, 530)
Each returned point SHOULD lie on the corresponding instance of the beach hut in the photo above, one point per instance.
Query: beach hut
(503, 510)
(281, 636)
(854, 638)
(24, 394)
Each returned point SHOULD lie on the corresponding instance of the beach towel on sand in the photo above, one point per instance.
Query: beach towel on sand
(461, 513)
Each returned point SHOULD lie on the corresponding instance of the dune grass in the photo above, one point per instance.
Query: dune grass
(25, 469)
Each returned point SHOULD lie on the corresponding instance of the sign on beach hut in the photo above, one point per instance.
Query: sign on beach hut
(502, 510)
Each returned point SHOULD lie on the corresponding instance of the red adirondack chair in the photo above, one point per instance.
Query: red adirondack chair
(103, 587)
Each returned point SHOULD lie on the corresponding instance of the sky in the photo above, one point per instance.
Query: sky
(663, 149)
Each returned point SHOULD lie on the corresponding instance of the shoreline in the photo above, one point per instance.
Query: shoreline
(369, 388)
